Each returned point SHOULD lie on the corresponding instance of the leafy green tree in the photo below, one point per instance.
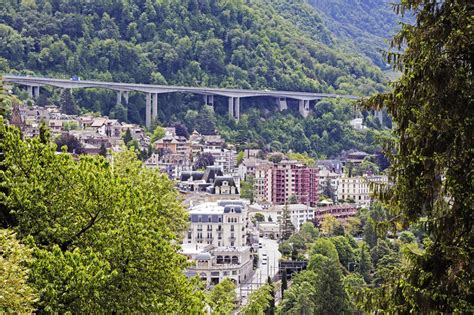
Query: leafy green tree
(67, 103)
(101, 230)
(364, 266)
(240, 157)
(204, 160)
(328, 189)
(370, 234)
(406, 237)
(17, 295)
(247, 188)
(300, 297)
(318, 290)
(344, 250)
(158, 133)
(181, 130)
(73, 145)
(323, 247)
(302, 157)
(119, 112)
(285, 248)
(330, 297)
(271, 305)
(431, 167)
(222, 297)
(353, 284)
(330, 225)
(258, 301)
(286, 226)
(127, 137)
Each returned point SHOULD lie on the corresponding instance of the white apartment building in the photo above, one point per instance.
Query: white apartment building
(217, 242)
(224, 158)
(357, 188)
(262, 194)
(325, 176)
(299, 213)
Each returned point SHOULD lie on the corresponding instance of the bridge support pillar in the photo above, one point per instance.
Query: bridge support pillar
(209, 100)
(237, 108)
(379, 115)
(36, 91)
(30, 91)
(234, 108)
(282, 103)
(148, 110)
(304, 108)
(119, 97)
(231, 107)
(125, 96)
(154, 113)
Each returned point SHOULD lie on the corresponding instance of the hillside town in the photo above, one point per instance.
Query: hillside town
(236, 200)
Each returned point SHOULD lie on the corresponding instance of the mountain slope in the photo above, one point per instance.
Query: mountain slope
(259, 44)
(218, 43)
(365, 25)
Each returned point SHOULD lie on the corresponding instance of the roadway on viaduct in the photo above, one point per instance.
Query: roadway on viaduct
(151, 91)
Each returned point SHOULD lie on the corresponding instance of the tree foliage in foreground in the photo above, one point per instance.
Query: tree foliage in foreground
(432, 107)
(16, 295)
(258, 301)
(106, 234)
(223, 297)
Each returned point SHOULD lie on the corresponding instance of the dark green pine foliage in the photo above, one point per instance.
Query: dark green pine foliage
(432, 166)
(67, 103)
(331, 297)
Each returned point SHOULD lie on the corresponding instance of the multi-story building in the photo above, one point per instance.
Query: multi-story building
(222, 223)
(224, 158)
(339, 211)
(327, 177)
(357, 188)
(291, 178)
(217, 242)
(262, 194)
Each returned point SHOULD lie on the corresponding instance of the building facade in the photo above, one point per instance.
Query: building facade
(291, 178)
(357, 188)
(217, 242)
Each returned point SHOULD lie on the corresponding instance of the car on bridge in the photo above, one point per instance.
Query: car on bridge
(75, 78)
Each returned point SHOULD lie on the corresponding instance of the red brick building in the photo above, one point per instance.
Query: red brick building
(291, 178)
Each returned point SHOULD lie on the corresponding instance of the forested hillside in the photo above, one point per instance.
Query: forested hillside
(365, 25)
(263, 45)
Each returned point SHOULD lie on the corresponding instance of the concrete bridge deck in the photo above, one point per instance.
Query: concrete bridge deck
(234, 95)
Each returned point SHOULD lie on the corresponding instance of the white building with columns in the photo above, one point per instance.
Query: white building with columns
(217, 242)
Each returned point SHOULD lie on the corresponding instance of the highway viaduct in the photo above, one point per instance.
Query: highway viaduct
(151, 91)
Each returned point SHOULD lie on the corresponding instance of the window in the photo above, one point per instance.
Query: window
(232, 228)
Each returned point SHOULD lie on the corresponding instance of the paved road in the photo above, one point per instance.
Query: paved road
(265, 268)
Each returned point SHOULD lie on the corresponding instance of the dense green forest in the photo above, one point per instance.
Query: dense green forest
(363, 25)
(263, 44)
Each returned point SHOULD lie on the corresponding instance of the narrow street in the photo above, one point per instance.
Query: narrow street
(266, 267)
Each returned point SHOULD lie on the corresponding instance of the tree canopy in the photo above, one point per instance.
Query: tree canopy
(432, 107)
(105, 234)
